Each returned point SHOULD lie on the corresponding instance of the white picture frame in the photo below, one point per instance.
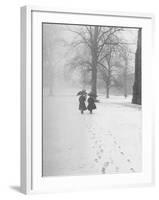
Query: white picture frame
(31, 179)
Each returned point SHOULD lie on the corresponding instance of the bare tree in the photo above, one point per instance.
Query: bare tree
(109, 57)
(107, 68)
(115, 61)
(95, 38)
(125, 56)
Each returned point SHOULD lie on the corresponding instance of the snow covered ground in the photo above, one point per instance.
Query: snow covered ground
(108, 141)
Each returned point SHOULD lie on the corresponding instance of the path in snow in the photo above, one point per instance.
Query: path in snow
(108, 141)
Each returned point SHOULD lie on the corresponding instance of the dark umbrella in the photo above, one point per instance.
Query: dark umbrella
(82, 92)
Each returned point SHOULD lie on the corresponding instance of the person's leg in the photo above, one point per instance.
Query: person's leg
(81, 111)
(90, 111)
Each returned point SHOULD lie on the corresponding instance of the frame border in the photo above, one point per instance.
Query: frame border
(26, 84)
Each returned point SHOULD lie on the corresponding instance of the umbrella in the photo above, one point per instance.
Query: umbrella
(82, 92)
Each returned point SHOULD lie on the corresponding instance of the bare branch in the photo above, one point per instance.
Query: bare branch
(107, 38)
(82, 36)
(103, 33)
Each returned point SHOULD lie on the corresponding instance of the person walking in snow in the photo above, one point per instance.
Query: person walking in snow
(82, 100)
(91, 102)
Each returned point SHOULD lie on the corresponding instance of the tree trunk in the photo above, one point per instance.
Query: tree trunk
(107, 92)
(125, 92)
(94, 61)
(94, 80)
(125, 79)
(108, 81)
(137, 83)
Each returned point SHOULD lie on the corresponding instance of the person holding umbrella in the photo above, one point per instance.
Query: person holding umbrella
(91, 102)
(82, 100)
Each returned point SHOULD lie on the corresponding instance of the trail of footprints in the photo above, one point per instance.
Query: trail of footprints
(100, 152)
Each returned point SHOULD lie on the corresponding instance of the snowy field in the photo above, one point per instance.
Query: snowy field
(108, 141)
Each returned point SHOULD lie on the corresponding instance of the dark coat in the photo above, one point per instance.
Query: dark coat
(82, 105)
(91, 104)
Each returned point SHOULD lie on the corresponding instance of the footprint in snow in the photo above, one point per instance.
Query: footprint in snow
(103, 170)
(101, 150)
(122, 153)
(132, 169)
(106, 164)
(96, 160)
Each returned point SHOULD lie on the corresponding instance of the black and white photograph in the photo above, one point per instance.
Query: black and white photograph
(91, 99)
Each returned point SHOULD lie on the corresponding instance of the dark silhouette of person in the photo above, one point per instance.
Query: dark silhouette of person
(91, 102)
(82, 100)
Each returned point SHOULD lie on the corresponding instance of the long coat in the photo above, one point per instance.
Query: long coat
(82, 105)
(91, 104)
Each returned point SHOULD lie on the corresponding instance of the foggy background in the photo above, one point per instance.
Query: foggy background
(66, 57)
